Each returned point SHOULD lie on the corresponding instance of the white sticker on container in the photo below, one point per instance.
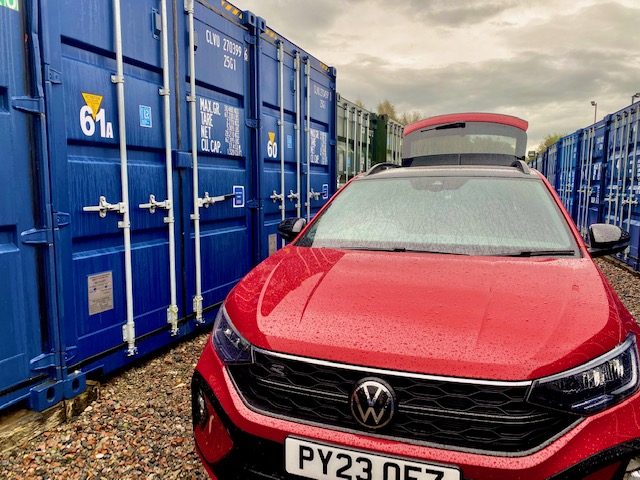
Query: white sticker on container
(273, 243)
(11, 4)
(100, 292)
(92, 116)
(146, 119)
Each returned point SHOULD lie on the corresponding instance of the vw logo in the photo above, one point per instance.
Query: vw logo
(373, 403)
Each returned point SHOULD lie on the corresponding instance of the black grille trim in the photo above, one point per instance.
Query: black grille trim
(483, 418)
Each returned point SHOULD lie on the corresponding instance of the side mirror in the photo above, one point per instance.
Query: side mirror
(291, 227)
(607, 239)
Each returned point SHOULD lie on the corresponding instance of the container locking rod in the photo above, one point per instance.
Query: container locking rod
(103, 207)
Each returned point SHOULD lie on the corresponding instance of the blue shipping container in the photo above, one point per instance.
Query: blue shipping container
(153, 147)
(598, 178)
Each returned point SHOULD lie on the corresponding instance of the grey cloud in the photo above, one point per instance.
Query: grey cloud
(307, 19)
(609, 26)
(528, 85)
(458, 13)
(546, 69)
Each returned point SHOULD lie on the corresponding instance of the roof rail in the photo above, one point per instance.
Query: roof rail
(520, 164)
(381, 167)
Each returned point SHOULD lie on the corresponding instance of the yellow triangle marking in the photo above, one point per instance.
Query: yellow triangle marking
(272, 137)
(93, 101)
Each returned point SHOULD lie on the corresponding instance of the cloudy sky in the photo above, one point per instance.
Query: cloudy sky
(542, 60)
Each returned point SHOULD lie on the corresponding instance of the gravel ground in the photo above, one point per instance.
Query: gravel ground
(140, 428)
(626, 284)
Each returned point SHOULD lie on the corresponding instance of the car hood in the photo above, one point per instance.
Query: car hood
(474, 317)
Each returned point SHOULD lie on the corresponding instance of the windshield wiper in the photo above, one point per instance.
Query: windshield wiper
(539, 253)
(439, 252)
(402, 250)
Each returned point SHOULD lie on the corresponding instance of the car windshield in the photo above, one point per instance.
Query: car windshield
(448, 214)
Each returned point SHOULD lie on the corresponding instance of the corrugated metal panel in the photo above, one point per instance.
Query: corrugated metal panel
(29, 364)
(356, 127)
(67, 322)
(598, 177)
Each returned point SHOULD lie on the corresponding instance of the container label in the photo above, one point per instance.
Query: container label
(145, 116)
(11, 4)
(319, 143)
(273, 243)
(272, 145)
(238, 196)
(323, 95)
(100, 288)
(325, 191)
(92, 116)
(216, 118)
(289, 142)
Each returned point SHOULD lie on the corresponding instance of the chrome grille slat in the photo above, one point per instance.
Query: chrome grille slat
(485, 417)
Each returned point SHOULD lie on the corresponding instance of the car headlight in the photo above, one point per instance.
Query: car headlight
(592, 387)
(229, 344)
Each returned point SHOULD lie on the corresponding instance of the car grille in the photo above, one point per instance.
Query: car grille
(449, 414)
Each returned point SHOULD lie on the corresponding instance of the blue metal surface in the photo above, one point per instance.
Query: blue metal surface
(598, 175)
(320, 85)
(58, 112)
(28, 352)
(567, 175)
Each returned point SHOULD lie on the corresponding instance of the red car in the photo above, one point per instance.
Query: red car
(431, 323)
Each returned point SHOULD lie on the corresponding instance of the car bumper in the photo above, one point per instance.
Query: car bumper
(234, 442)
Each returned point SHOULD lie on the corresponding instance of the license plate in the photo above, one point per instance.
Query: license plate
(326, 462)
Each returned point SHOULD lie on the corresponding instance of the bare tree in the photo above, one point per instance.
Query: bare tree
(385, 107)
(410, 117)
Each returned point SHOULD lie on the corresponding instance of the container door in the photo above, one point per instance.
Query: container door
(224, 157)
(281, 181)
(320, 125)
(23, 288)
(86, 173)
(629, 213)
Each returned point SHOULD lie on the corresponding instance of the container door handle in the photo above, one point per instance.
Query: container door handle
(277, 197)
(314, 195)
(104, 207)
(208, 201)
(154, 204)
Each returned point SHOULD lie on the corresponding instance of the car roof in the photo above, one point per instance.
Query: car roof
(451, 171)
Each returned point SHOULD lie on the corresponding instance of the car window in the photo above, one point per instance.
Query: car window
(462, 215)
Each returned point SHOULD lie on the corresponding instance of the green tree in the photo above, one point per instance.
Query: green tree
(548, 141)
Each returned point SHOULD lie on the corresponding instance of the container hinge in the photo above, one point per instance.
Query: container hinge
(251, 122)
(42, 362)
(254, 204)
(250, 39)
(28, 104)
(156, 23)
(36, 236)
(53, 75)
(62, 219)
(70, 353)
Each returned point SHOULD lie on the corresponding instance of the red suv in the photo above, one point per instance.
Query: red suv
(430, 323)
